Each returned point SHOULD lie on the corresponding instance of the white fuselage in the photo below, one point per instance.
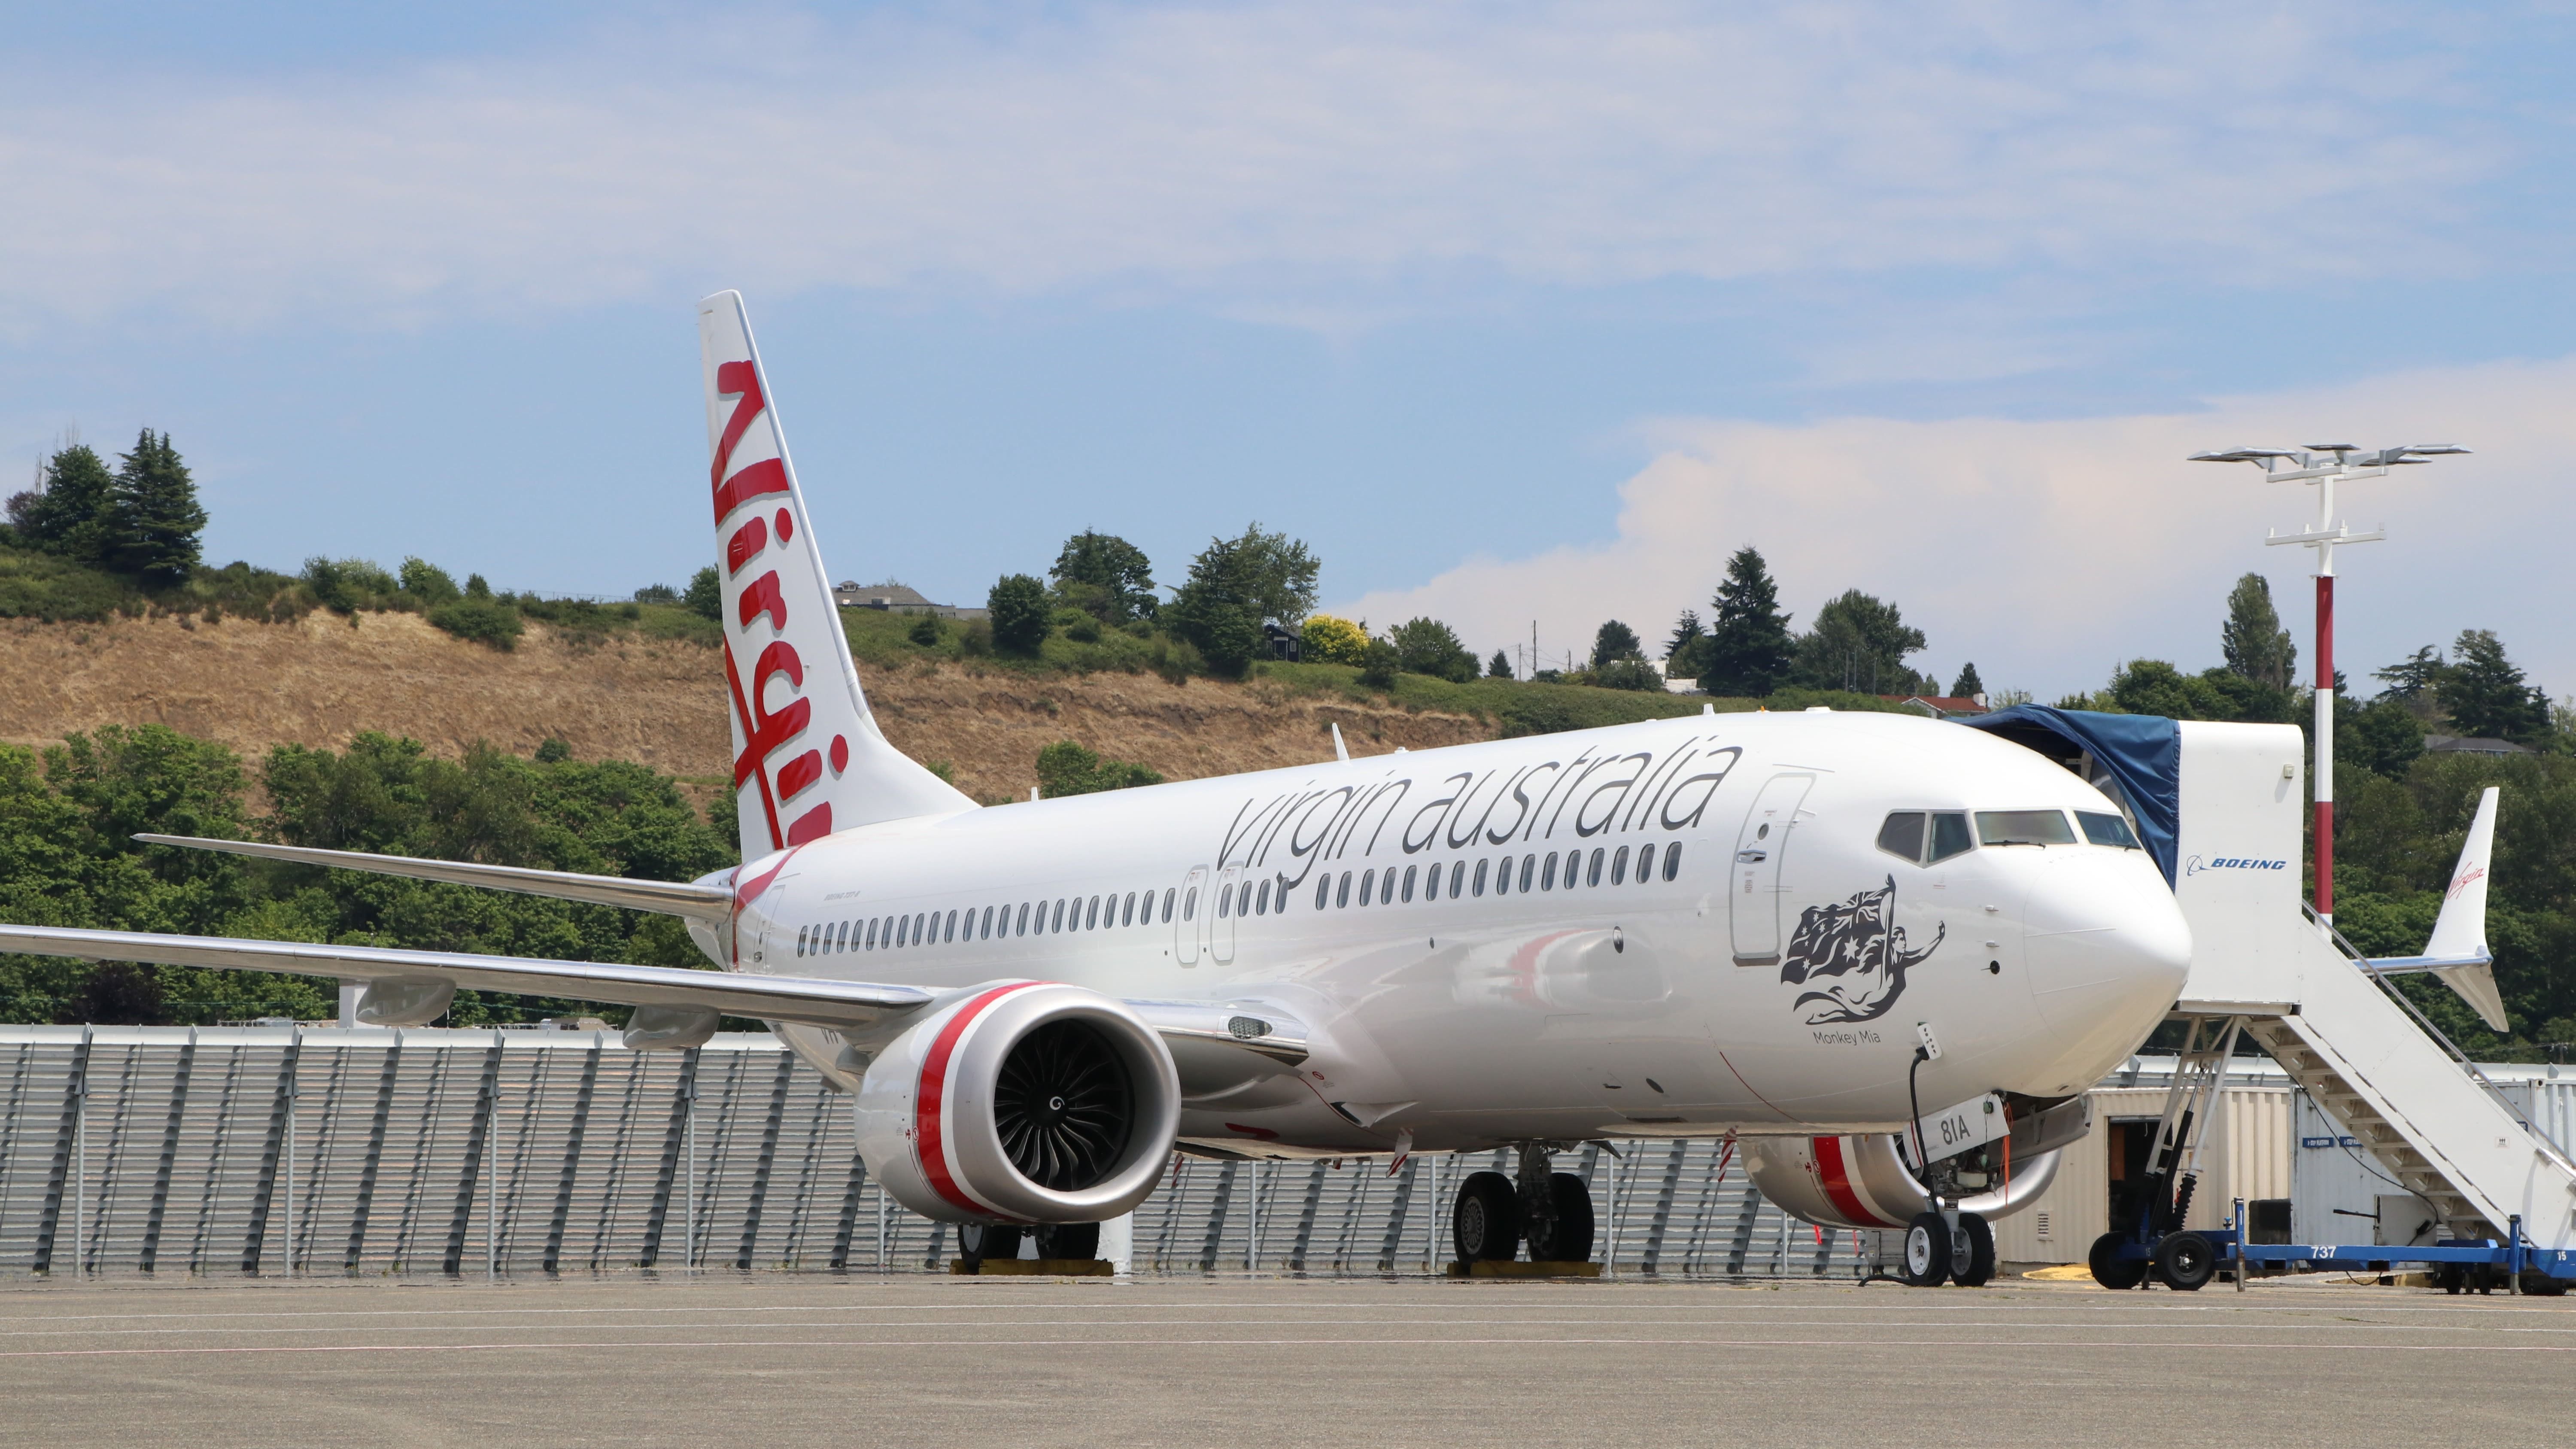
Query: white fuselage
(1768, 972)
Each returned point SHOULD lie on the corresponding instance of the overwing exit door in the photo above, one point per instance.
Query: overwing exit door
(1761, 849)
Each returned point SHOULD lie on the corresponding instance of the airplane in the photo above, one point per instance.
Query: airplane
(1798, 927)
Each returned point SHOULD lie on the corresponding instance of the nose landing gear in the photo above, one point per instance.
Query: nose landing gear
(1945, 1247)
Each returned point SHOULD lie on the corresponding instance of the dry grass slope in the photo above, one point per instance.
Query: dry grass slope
(321, 681)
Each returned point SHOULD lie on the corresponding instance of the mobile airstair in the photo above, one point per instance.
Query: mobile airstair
(2221, 806)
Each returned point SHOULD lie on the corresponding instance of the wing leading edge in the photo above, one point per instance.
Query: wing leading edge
(709, 903)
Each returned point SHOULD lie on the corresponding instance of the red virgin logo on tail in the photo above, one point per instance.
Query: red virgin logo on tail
(765, 733)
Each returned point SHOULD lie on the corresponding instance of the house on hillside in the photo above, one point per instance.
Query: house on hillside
(1942, 706)
(896, 598)
(2463, 745)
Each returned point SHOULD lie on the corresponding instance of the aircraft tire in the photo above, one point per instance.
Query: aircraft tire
(1927, 1251)
(1569, 1238)
(2109, 1268)
(1979, 1269)
(978, 1241)
(2185, 1262)
(1068, 1240)
(1485, 1226)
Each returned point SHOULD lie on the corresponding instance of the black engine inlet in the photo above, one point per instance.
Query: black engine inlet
(1064, 1106)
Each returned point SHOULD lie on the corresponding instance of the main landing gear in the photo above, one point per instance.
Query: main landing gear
(979, 1241)
(1551, 1211)
(1948, 1247)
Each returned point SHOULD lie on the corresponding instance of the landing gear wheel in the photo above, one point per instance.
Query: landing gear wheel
(978, 1241)
(2185, 1262)
(2109, 1268)
(1927, 1251)
(1569, 1238)
(1975, 1267)
(1486, 1224)
(1069, 1240)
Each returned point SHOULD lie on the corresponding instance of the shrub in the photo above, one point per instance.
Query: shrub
(427, 584)
(925, 631)
(483, 621)
(1427, 646)
(1018, 604)
(657, 594)
(1066, 768)
(347, 585)
(1378, 665)
(1628, 674)
(1328, 640)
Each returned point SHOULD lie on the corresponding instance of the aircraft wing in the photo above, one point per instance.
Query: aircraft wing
(1212, 1043)
(710, 903)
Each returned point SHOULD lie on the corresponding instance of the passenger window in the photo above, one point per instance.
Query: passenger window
(2023, 827)
(800, 939)
(1323, 890)
(1190, 905)
(1503, 876)
(1593, 877)
(1127, 911)
(951, 933)
(1529, 863)
(868, 933)
(2107, 830)
(1619, 866)
(1055, 922)
(1091, 915)
(1261, 907)
(1480, 877)
(1342, 897)
(1645, 863)
(1902, 835)
(1457, 877)
(1672, 860)
(1168, 893)
(1368, 883)
(1224, 902)
(1243, 903)
(1949, 837)
(1547, 876)
(1408, 883)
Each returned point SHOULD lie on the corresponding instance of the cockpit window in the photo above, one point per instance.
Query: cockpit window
(2107, 830)
(1902, 835)
(1949, 837)
(2023, 827)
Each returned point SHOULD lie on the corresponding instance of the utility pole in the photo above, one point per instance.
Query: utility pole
(2325, 465)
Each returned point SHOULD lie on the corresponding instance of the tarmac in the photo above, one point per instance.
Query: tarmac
(1243, 1361)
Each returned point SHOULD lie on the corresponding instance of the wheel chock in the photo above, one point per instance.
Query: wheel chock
(1034, 1268)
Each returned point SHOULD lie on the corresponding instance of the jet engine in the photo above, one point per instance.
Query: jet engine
(1864, 1182)
(1021, 1102)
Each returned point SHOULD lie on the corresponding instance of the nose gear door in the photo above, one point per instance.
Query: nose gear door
(1761, 849)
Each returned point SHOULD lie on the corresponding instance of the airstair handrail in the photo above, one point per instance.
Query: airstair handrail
(2359, 959)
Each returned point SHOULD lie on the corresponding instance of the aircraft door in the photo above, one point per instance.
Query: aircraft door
(1186, 927)
(1761, 850)
(1221, 926)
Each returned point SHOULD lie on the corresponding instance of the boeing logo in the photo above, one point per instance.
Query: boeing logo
(2196, 865)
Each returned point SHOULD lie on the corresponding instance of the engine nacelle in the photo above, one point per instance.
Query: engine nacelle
(1863, 1182)
(1021, 1102)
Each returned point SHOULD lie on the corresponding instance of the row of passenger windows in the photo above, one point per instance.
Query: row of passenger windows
(1928, 836)
(1552, 871)
(1029, 918)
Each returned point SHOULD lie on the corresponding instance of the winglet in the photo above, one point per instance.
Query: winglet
(1341, 751)
(2461, 929)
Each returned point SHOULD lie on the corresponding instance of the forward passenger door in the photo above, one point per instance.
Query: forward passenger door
(1761, 850)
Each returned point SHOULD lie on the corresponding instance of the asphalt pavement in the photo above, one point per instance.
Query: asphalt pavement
(1251, 1362)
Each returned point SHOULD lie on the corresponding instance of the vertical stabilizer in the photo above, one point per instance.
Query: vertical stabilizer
(2460, 932)
(808, 759)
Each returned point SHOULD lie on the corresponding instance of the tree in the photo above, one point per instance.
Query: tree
(1018, 605)
(1615, 640)
(1106, 576)
(1325, 639)
(1379, 664)
(1748, 647)
(1499, 667)
(2384, 736)
(2255, 644)
(1066, 768)
(1686, 651)
(158, 517)
(72, 509)
(1968, 685)
(1628, 673)
(1427, 646)
(705, 596)
(1234, 586)
(2415, 681)
(428, 585)
(2487, 697)
(1859, 644)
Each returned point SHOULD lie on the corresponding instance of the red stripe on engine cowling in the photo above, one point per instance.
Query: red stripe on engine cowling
(1837, 1182)
(932, 1089)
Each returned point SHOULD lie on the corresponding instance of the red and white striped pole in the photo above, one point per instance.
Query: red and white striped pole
(2325, 732)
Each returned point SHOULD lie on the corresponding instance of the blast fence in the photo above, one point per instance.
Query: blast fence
(275, 1150)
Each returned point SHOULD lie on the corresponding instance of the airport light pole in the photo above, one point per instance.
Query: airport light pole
(2325, 465)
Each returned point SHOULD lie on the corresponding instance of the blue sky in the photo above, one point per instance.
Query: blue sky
(1520, 313)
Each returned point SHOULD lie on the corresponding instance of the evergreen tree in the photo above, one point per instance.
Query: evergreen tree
(1499, 667)
(73, 510)
(1748, 646)
(1859, 643)
(2255, 644)
(2415, 681)
(1613, 641)
(2487, 697)
(1017, 606)
(1968, 685)
(158, 517)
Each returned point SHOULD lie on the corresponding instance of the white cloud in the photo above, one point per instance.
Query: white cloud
(1263, 149)
(2050, 551)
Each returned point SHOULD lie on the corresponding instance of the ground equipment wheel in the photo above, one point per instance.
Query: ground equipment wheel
(2109, 1268)
(1486, 1224)
(1569, 1238)
(1927, 1251)
(2447, 1278)
(2185, 1262)
(1068, 1240)
(1973, 1263)
(978, 1241)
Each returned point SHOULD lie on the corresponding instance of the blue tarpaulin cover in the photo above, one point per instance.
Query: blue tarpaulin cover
(2143, 752)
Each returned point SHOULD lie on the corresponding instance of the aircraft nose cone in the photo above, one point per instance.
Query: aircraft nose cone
(2107, 949)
